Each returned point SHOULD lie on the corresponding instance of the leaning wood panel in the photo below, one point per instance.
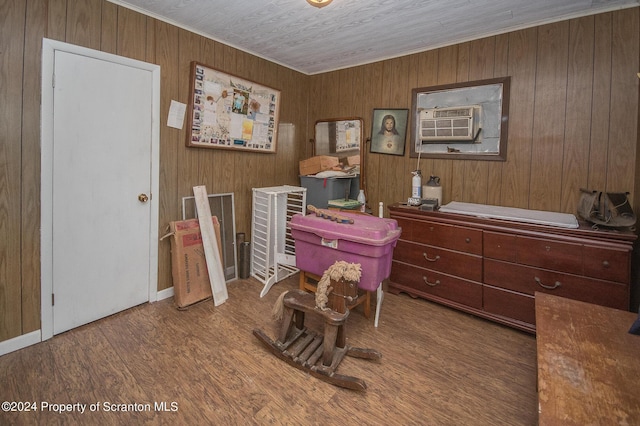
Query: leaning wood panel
(36, 18)
(623, 132)
(12, 21)
(578, 111)
(549, 117)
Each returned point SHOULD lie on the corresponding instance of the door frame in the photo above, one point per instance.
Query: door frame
(49, 47)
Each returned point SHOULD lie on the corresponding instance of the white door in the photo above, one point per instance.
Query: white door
(103, 220)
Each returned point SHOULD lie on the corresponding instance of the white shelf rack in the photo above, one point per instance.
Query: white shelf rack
(273, 253)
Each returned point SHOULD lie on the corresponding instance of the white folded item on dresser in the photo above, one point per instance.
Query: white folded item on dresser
(540, 217)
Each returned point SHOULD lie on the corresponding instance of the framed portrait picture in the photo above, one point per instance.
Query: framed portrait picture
(389, 131)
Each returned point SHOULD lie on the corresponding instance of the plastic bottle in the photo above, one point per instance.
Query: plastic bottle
(416, 184)
(362, 200)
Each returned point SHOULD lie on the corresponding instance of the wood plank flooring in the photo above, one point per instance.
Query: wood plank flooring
(438, 367)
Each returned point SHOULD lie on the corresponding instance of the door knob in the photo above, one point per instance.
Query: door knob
(143, 198)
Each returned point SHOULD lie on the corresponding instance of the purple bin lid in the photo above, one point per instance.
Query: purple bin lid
(365, 229)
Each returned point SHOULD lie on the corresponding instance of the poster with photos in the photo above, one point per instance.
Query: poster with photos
(229, 112)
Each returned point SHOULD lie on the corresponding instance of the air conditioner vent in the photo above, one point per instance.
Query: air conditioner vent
(450, 124)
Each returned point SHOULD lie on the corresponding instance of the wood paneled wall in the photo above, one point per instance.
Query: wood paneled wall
(100, 25)
(573, 122)
(573, 112)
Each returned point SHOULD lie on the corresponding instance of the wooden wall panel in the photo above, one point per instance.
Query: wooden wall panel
(12, 25)
(501, 57)
(575, 165)
(550, 152)
(83, 23)
(522, 69)
(36, 16)
(549, 117)
(109, 28)
(166, 55)
(601, 104)
(623, 137)
(132, 34)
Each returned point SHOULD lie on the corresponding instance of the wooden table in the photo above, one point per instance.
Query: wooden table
(588, 364)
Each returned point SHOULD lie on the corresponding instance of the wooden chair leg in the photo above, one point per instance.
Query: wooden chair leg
(303, 281)
(286, 324)
(367, 304)
(329, 344)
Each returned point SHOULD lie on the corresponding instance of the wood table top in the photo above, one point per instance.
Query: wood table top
(588, 363)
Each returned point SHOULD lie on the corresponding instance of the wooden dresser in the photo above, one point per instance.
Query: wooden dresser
(492, 268)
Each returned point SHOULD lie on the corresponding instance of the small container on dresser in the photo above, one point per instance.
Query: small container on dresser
(492, 268)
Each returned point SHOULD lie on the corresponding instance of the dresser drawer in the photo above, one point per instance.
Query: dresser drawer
(607, 264)
(451, 262)
(452, 237)
(426, 282)
(528, 280)
(500, 246)
(550, 254)
(521, 307)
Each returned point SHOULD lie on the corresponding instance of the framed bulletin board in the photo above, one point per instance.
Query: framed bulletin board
(229, 112)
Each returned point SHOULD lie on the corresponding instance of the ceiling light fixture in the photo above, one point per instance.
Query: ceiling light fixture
(319, 3)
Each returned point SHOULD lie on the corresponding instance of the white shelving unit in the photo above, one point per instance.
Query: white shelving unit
(273, 253)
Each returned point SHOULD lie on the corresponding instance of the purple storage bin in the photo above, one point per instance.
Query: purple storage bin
(368, 241)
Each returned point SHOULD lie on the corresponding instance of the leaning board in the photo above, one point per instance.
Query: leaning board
(211, 252)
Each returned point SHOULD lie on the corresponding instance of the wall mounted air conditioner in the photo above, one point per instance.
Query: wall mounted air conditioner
(461, 124)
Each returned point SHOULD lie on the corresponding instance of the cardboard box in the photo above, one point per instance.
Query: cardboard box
(353, 160)
(317, 164)
(188, 264)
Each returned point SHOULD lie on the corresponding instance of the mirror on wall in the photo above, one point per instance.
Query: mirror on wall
(342, 138)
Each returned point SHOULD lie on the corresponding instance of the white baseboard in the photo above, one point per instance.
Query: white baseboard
(165, 294)
(34, 337)
(20, 342)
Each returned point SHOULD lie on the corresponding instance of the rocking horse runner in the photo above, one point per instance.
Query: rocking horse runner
(316, 353)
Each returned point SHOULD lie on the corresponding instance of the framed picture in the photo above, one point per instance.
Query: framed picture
(462, 120)
(389, 131)
(230, 112)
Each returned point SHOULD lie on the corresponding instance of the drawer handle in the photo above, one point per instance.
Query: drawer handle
(548, 287)
(429, 259)
(605, 263)
(467, 240)
(426, 281)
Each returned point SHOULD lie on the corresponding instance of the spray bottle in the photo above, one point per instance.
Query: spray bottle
(416, 184)
(416, 188)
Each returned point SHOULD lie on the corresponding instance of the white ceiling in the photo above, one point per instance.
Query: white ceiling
(347, 33)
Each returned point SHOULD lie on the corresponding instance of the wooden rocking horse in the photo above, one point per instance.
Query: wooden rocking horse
(313, 352)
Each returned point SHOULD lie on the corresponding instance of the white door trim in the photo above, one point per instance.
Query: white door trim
(49, 47)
